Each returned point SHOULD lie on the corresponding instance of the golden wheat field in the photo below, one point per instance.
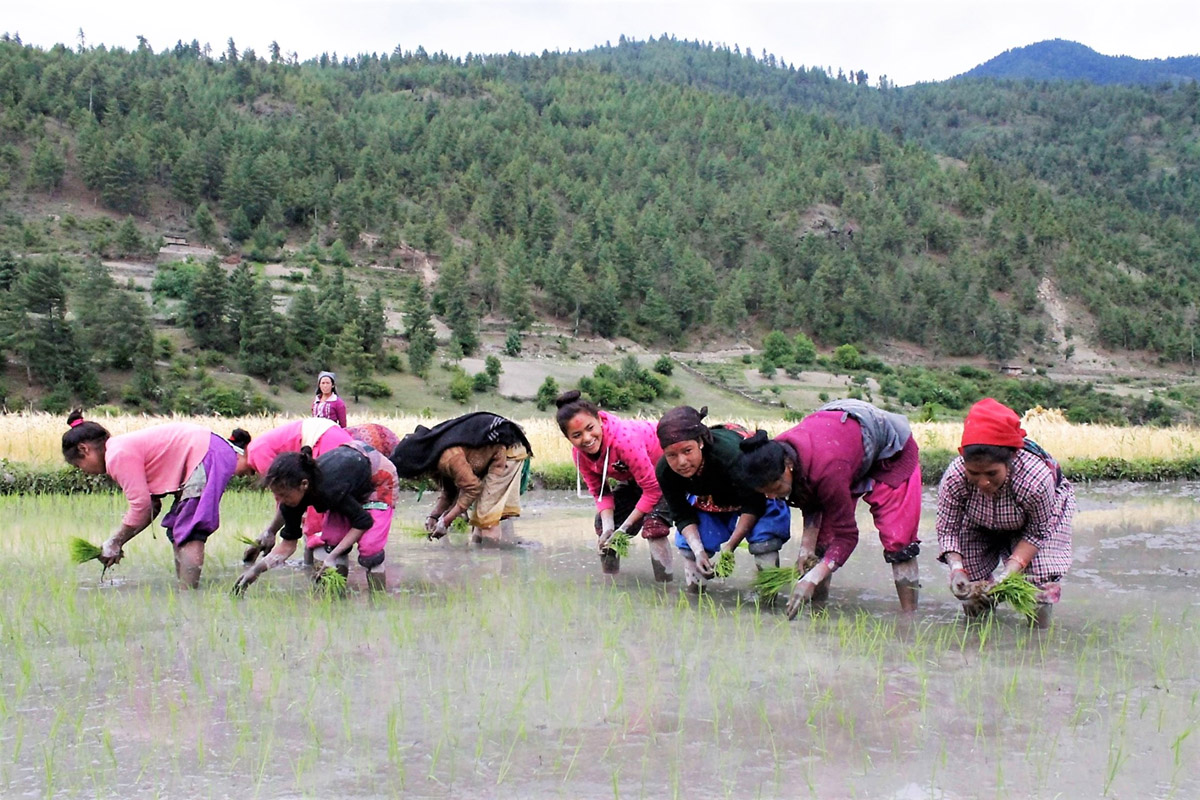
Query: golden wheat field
(35, 438)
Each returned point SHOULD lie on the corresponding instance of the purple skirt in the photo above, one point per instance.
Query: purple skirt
(196, 512)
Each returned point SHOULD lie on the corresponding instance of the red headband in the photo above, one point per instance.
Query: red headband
(75, 422)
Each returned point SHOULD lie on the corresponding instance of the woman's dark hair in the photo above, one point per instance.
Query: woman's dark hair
(990, 453)
(78, 432)
(239, 438)
(572, 403)
(762, 461)
(289, 469)
(683, 423)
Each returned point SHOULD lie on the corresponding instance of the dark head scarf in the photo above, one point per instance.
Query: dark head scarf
(681, 424)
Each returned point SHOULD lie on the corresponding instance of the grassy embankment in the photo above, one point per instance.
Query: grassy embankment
(30, 448)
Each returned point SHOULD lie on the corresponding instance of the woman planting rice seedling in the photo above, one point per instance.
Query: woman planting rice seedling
(479, 460)
(1004, 499)
(180, 459)
(606, 446)
(322, 435)
(354, 485)
(844, 450)
(712, 509)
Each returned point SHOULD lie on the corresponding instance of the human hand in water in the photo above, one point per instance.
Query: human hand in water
(806, 587)
(960, 584)
(249, 576)
(440, 529)
(110, 553)
(704, 564)
(606, 535)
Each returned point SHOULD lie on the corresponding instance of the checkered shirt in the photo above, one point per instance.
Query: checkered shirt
(1028, 506)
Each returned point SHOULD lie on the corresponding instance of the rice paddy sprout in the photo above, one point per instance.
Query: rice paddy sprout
(246, 540)
(724, 565)
(82, 550)
(771, 581)
(1018, 592)
(331, 583)
(619, 543)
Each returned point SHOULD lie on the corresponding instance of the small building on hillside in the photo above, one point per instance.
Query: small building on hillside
(1012, 370)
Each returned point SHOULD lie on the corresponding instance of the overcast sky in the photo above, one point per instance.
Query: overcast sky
(907, 40)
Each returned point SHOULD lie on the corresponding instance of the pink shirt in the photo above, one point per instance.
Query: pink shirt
(322, 435)
(633, 451)
(154, 461)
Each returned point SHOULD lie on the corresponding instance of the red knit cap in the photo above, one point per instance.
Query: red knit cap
(990, 422)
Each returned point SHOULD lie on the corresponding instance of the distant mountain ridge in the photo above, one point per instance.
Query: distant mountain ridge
(1062, 60)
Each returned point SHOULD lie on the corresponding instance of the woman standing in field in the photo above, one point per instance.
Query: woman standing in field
(606, 446)
(178, 458)
(844, 450)
(479, 460)
(712, 509)
(327, 404)
(354, 487)
(1004, 499)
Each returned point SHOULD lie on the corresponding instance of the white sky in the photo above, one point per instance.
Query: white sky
(907, 40)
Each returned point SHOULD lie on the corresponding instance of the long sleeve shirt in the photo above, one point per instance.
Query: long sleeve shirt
(1027, 503)
(632, 451)
(345, 485)
(333, 408)
(715, 480)
(462, 470)
(322, 435)
(154, 462)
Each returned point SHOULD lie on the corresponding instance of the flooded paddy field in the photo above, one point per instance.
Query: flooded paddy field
(520, 672)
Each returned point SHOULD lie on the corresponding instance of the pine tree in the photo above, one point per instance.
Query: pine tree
(208, 308)
(418, 329)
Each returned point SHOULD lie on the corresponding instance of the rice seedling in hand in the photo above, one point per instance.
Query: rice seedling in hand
(246, 540)
(331, 583)
(1018, 592)
(723, 567)
(82, 550)
(619, 543)
(771, 581)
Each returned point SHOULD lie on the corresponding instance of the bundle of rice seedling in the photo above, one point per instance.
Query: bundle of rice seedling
(246, 540)
(773, 580)
(82, 550)
(619, 543)
(1018, 592)
(723, 567)
(331, 583)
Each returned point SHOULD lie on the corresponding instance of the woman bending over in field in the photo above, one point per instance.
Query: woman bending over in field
(712, 508)
(479, 459)
(354, 486)
(322, 435)
(606, 446)
(844, 450)
(1004, 499)
(178, 458)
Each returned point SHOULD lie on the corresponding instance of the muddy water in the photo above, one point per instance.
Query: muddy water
(522, 672)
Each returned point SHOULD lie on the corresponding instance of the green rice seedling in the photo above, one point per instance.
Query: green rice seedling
(331, 583)
(82, 550)
(1017, 592)
(246, 540)
(771, 581)
(723, 567)
(619, 543)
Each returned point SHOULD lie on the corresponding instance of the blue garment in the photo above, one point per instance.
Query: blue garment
(717, 527)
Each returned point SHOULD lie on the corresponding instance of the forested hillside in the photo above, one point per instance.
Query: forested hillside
(1061, 60)
(668, 191)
